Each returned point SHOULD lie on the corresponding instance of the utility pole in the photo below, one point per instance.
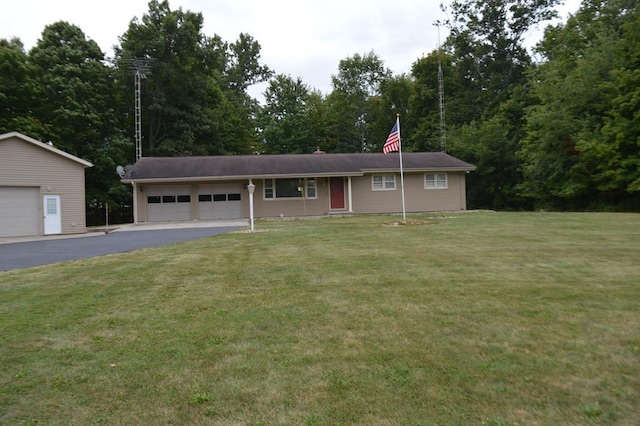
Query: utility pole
(141, 68)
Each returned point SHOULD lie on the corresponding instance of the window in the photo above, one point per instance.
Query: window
(268, 188)
(165, 199)
(219, 197)
(383, 182)
(204, 198)
(290, 188)
(233, 197)
(435, 181)
(52, 206)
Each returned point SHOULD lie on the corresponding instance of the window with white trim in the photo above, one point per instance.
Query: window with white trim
(383, 182)
(435, 181)
(290, 188)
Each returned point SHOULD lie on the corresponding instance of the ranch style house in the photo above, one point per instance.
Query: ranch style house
(216, 187)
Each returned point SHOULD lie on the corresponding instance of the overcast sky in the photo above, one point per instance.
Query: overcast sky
(299, 38)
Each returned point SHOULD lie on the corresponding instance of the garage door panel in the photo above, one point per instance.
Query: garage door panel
(168, 203)
(19, 211)
(222, 201)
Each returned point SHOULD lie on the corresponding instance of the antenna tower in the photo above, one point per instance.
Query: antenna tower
(141, 68)
(443, 129)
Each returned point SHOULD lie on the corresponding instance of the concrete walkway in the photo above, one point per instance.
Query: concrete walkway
(25, 252)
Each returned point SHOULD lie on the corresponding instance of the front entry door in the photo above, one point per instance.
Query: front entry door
(336, 189)
(52, 216)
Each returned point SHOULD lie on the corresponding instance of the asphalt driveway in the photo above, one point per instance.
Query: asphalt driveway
(45, 251)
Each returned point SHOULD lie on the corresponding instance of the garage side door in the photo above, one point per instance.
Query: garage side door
(19, 211)
(220, 201)
(168, 203)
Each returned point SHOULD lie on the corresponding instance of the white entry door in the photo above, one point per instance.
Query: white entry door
(52, 216)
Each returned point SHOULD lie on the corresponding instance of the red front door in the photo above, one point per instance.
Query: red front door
(336, 190)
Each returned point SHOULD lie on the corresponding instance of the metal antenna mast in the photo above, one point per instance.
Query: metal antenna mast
(141, 68)
(443, 130)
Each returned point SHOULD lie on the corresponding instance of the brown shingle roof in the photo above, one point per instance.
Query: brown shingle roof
(298, 165)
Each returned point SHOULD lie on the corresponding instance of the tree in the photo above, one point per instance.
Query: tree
(243, 66)
(17, 91)
(285, 127)
(492, 145)
(581, 150)
(487, 92)
(194, 99)
(424, 108)
(383, 109)
(77, 108)
(357, 83)
(487, 42)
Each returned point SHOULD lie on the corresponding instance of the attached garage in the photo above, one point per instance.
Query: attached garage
(169, 203)
(220, 201)
(232, 187)
(19, 210)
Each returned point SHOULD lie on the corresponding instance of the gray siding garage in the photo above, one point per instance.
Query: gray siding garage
(42, 189)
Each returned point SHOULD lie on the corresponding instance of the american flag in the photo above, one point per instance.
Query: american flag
(393, 140)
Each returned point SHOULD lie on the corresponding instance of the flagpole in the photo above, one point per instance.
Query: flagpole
(404, 215)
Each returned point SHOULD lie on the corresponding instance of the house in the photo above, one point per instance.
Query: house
(42, 189)
(215, 187)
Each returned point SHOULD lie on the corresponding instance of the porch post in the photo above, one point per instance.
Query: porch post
(251, 188)
(135, 202)
(350, 194)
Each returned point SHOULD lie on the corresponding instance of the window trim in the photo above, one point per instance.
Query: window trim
(437, 184)
(270, 193)
(384, 181)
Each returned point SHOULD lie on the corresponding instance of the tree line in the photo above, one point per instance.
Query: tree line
(556, 127)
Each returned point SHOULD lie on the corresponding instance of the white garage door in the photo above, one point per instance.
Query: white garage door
(19, 212)
(220, 201)
(168, 203)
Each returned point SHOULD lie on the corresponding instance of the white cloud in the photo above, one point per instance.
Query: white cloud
(305, 39)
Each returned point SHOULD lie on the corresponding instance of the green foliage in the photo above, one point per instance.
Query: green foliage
(424, 102)
(487, 42)
(17, 90)
(486, 85)
(581, 149)
(353, 105)
(195, 95)
(63, 92)
(285, 127)
(561, 134)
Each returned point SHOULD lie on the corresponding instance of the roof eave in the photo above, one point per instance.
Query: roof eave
(238, 177)
(420, 170)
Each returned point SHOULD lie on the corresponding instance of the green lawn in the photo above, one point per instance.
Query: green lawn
(467, 319)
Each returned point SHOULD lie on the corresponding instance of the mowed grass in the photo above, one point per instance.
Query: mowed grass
(467, 319)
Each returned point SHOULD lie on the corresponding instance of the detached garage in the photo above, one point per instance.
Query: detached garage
(42, 189)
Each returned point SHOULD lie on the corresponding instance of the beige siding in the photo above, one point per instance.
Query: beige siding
(365, 199)
(25, 164)
(290, 207)
(417, 198)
